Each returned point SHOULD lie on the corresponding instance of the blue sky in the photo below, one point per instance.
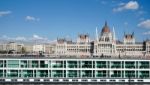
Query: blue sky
(50, 19)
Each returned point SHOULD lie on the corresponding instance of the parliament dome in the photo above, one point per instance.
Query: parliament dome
(105, 29)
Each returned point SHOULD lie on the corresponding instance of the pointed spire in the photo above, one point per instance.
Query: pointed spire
(105, 23)
(132, 33)
(124, 34)
(114, 37)
(96, 34)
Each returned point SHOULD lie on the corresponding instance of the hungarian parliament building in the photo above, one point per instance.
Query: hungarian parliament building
(105, 44)
(104, 60)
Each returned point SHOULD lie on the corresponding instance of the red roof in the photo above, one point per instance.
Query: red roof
(105, 28)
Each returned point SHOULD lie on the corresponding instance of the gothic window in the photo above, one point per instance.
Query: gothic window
(107, 39)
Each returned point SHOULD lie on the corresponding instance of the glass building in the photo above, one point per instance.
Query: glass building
(74, 69)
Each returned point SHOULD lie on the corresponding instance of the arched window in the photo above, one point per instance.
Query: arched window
(107, 39)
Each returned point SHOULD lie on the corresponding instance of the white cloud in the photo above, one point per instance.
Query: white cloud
(145, 24)
(131, 5)
(31, 18)
(3, 13)
(37, 37)
(121, 4)
(53, 41)
(5, 37)
(147, 33)
(20, 38)
(33, 38)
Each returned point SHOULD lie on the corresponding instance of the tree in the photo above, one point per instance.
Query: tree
(23, 50)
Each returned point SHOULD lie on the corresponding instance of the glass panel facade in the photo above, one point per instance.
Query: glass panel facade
(57, 73)
(12, 73)
(73, 64)
(47, 68)
(72, 73)
(130, 74)
(57, 64)
(13, 63)
(23, 64)
(44, 64)
(42, 73)
(116, 64)
(101, 64)
(1, 63)
(27, 73)
(115, 74)
(144, 64)
(144, 74)
(35, 64)
(130, 64)
(86, 64)
(102, 73)
(86, 73)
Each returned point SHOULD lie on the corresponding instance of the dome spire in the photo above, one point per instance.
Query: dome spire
(105, 23)
(105, 29)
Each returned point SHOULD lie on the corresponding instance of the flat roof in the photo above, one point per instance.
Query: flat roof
(70, 57)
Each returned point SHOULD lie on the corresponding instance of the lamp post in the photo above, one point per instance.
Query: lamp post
(129, 77)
